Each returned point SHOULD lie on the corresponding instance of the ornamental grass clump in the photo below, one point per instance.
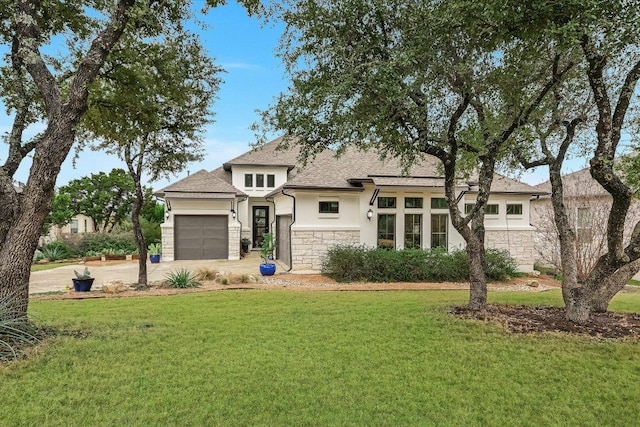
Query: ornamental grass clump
(182, 279)
(16, 332)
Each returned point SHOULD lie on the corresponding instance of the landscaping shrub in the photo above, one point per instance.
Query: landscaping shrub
(55, 251)
(500, 265)
(38, 255)
(358, 263)
(112, 243)
(182, 278)
(345, 263)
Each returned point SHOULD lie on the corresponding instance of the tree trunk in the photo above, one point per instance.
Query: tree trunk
(477, 275)
(579, 306)
(612, 285)
(137, 231)
(22, 238)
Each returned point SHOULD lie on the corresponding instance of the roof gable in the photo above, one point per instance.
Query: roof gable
(202, 182)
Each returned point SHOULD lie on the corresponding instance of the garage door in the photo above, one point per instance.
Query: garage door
(201, 237)
(283, 242)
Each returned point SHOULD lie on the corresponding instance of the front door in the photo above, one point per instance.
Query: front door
(260, 224)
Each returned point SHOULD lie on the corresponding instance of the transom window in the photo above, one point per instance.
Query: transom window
(248, 180)
(413, 202)
(386, 202)
(439, 203)
(329, 207)
(515, 209)
(492, 210)
(271, 181)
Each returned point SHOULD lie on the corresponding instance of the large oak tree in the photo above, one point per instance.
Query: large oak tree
(411, 78)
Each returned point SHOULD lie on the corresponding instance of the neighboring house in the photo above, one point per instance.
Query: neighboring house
(588, 206)
(354, 199)
(79, 224)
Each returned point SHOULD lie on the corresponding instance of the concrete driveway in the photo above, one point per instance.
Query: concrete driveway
(59, 278)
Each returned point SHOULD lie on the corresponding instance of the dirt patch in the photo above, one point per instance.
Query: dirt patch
(526, 319)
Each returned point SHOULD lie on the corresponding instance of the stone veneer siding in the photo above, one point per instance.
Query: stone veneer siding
(168, 253)
(308, 247)
(519, 243)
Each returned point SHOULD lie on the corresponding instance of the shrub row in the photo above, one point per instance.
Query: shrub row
(359, 263)
(90, 244)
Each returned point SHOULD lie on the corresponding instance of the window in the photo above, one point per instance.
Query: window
(74, 226)
(248, 180)
(468, 207)
(514, 209)
(386, 202)
(439, 230)
(85, 226)
(328, 207)
(412, 231)
(386, 231)
(271, 181)
(491, 210)
(259, 180)
(413, 202)
(583, 225)
(439, 203)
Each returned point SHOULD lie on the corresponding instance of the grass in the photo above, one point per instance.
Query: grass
(50, 266)
(314, 358)
(633, 282)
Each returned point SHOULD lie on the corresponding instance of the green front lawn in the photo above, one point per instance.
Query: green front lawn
(51, 265)
(314, 358)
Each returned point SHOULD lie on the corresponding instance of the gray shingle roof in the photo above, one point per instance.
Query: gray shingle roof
(267, 155)
(577, 184)
(200, 182)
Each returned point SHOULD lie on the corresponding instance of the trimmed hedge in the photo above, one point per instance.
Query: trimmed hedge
(359, 263)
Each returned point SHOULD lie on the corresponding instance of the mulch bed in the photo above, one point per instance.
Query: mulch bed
(526, 319)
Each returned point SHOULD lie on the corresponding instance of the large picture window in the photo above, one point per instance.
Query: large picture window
(514, 209)
(413, 231)
(386, 231)
(439, 224)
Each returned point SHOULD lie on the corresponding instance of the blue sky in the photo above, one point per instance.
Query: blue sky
(254, 77)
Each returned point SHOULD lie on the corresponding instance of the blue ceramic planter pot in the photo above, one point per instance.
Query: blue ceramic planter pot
(267, 269)
(82, 285)
(154, 258)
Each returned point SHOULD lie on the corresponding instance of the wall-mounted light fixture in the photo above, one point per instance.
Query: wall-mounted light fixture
(233, 213)
(166, 215)
(369, 214)
(168, 203)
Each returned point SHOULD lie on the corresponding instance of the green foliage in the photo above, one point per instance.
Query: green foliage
(359, 263)
(151, 231)
(38, 256)
(84, 275)
(152, 211)
(61, 212)
(55, 251)
(268, 247)
(374, 358)
(182, 278)
(101, 242)
(154, 249)
(16, 332)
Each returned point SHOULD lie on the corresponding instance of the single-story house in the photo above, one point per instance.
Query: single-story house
(355, 198)
(588, 205)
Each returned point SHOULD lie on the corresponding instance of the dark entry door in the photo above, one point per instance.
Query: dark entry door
(260, 224)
